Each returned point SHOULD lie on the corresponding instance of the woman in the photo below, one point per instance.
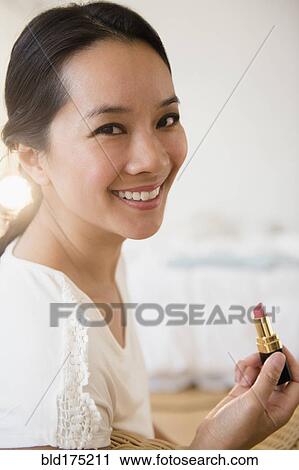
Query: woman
(93, 115)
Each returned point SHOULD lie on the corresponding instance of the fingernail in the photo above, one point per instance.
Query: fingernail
(277, 359)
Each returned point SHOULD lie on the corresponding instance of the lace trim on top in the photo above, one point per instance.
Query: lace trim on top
(78, 416)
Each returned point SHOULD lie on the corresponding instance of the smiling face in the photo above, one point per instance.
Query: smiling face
(96, 163)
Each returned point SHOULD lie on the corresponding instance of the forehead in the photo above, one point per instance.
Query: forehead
(117, 72)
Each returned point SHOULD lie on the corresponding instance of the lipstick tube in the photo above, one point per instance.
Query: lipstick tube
(268, 342)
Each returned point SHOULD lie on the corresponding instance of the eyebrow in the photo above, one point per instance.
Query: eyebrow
(122, 109)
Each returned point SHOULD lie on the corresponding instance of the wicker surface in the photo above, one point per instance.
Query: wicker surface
(286, 437)
(128, 440)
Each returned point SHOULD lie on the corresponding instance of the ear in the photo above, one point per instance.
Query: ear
(33, 163)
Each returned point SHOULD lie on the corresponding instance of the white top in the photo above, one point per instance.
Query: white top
(65, 386)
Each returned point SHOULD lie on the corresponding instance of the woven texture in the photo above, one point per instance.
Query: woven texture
(128, 440)
(286, 437)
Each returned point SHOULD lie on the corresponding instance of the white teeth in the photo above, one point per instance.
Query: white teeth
(144, 196)
(137, 196)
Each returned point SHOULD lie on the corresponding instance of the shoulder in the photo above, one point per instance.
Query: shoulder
(28, 297)
(24, 277)
(27, 339)
(27, 292)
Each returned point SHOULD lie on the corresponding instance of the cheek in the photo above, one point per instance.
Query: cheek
(96, 177)
(177, 148)
(97, 180)
(82, 182)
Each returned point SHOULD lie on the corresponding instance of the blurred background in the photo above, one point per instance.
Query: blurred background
(231, 230)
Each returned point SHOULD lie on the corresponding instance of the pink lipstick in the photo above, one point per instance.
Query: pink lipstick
(268, 342)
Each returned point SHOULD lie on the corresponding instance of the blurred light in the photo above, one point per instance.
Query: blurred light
(15, 193)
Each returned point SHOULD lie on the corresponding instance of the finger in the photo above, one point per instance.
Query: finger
(291, 396)
(291, 391)
(241, 375)
(253, 360)
(249, 376)
(268, 377)
(293, 364)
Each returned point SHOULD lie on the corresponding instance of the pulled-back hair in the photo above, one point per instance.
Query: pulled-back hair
(34, 88)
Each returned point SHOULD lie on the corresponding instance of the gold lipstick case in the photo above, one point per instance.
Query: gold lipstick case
(267, 343)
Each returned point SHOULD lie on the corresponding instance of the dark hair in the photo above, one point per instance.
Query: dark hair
(34, 91)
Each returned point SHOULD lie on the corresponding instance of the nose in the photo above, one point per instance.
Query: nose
(146, 154)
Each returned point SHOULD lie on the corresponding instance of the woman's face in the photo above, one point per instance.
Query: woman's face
(131, 151)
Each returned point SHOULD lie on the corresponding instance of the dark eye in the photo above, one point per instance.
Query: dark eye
(174, 116)
(108, 129)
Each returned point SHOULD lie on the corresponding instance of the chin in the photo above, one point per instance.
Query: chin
(143, 232)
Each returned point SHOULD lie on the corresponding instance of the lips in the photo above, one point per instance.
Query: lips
(138, 189)
(140, 204)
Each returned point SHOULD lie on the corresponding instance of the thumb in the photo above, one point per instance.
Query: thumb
(269, 376)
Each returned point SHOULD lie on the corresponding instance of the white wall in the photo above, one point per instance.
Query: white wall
(247, 167)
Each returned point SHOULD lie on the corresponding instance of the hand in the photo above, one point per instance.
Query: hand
(254, 408)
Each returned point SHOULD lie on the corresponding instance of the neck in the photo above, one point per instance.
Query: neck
(74, 245)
